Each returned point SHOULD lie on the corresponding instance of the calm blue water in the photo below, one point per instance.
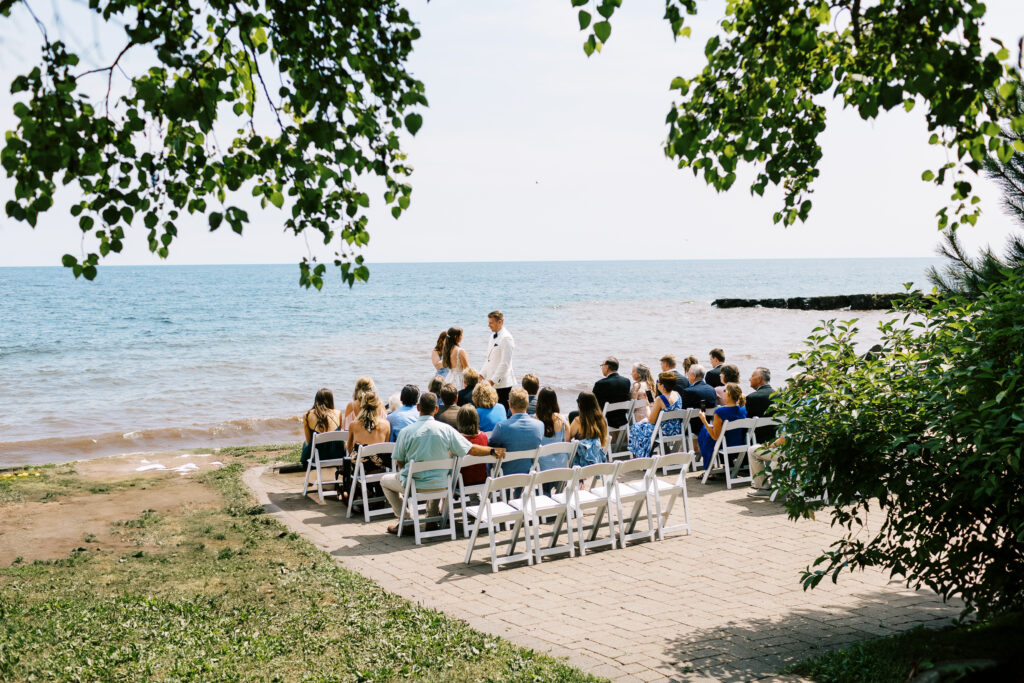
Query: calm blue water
(161, 356)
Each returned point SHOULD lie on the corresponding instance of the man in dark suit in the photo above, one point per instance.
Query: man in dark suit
(698, 395)
(759, 402)
(714, 375)
(612, 388)
(668, 364)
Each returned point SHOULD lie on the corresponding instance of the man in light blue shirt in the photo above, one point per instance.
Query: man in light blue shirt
(520, 432)
(406, 414)
(426, 439)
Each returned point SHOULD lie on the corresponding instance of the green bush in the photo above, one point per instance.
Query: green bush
(931, 428)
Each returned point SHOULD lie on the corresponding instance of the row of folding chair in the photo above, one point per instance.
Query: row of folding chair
(524, 502)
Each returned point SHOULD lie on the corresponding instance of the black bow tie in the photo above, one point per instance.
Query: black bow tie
(495, 335)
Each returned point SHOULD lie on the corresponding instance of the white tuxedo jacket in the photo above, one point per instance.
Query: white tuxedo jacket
(498, 367)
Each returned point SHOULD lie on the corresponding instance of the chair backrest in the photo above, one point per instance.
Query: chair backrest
(518, 457)
(566, 448)
(663, 417)
(558, 474)
(320, 439)
(615, 407)
(468, 460)
(675, 459)
(634, 465)
(746, 424)
(605, 470)
(447, 464)
(327, 437)
(367, 450)
(496, 485)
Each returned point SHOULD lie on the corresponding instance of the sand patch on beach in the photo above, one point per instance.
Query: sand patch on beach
(51, 530)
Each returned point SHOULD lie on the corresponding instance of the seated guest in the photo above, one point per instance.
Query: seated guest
(468, 424)
(554, 432)
(642, 391)
(519, 432)
(689, 361)
(532, 384)
(714, 376)
(590, 429)
(470, 377)
(668, 364)
(698, 395)
(485, 398)
(426, 439)
(759, 403)
(448, 411)
(363, 384)
(612, 388)
(641, 432)
(435, 387)
(732, 410)
(730, 374)
(322, 417)
(406, 414)
(369, 427)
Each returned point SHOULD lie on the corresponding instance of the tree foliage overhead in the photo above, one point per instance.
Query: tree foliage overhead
(293, 102)
(761, 97)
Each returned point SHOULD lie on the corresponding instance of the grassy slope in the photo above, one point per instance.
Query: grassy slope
(229, 594)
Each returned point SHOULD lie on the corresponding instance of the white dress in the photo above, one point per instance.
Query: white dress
(455, 373)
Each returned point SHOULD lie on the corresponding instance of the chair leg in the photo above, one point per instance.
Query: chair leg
(352, 491)
(305, 484)
(319, 481)
(494, 550)
(472, 540)
(452, 525)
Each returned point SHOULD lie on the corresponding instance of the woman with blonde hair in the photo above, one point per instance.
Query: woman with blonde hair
(732, 410)
(370, 427)
(322, 417)
(590, 429)
(485, 398)
(363, 385)
(642, 392)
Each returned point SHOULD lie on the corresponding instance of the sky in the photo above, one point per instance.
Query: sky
(532, 151)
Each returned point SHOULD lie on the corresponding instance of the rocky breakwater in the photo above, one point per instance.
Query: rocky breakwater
(854, 302)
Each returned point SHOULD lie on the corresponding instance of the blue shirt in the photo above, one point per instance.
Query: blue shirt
(403, 417)
(518, 433)
(428, 439)
(490, 417)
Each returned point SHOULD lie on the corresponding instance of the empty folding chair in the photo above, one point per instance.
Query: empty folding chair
(673, 489)
(337, 440)
(595, 500)
(539, 506)
(722, 454)
(618, 437)
(467, 492)
(413, 497)
(493, 511)
(637, 492)
(361, 479)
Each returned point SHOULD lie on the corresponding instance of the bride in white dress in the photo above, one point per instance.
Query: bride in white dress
(453, 358)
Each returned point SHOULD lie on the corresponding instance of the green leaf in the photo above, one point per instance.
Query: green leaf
(277, 199)
(413, 123)
(584, 17)
(602, 30)
(215, 220)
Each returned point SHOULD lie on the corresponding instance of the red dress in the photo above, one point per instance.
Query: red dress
(475, 474)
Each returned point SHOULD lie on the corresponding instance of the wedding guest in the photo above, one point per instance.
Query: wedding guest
(322, 417)
(554, 431)
(369, 427)
(640, 433)
(363, 385)
(642, 391)
(435, 355)
(519, 432)
(468, 424)
(470, 377)
(759, 403)
(449, 397)
(454, 360)
(668, 364)
(485, 398)
(688, 362)
(497, 369)
(590, 429)
(714, 376)
(612, 388)
(406, 414)
(730, 373)
(435, 386)
(532, 385)
(732, 410)
(698, 395)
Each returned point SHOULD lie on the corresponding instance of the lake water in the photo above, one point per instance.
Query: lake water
(167, 357)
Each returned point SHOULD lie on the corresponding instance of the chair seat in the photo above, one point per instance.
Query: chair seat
(542, 503)
(499, 511)
(591, 497)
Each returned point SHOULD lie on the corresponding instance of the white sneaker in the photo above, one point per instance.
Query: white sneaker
(759, 493)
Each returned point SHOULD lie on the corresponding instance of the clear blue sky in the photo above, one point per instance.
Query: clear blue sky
(530, 150)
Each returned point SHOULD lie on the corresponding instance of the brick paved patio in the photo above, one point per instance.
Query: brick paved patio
(723, 603)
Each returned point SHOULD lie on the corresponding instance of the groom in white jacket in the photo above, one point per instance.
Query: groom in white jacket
(498, 368)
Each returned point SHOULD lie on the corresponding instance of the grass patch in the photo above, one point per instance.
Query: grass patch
(289, 452)
(230, 594)
(50, 482)
(897, 658)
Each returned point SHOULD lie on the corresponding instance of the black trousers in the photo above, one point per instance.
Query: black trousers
(503, 398)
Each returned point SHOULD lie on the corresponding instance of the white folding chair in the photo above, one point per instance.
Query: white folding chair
(361, 479)
(413, 497)
(556, 455)
(673, 489)
(762, 423)
(618, 437)
(463, 493)
(637, 492)
(720, 456)
(527, 458)
(315, 461)
(539, 506)
(493, 511)
(676, 443)
(596, 500)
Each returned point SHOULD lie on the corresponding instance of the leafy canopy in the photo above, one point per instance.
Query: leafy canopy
(931, 430)
(759, 100)
(294, 102)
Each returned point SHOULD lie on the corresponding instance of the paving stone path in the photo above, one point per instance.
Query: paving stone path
(723, 603)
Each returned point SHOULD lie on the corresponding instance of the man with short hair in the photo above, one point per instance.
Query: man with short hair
(612, 388)
(698, 395)
(449, 397)
(426, 439)
(519, 432)
(668, 364)
(531, 383)
(498, 367)
(406, 415)
(759, 402)
(714, 376)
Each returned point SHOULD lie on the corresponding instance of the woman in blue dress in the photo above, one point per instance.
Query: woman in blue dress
(732, 410)
(485, 398)
(590, 429)
(668, 399)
